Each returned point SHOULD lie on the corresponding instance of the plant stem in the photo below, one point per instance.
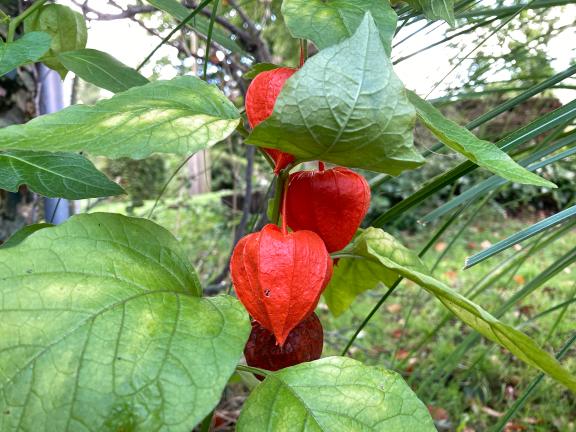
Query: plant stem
(284, 199)
(16, 21)
(178, 27)
(209, 38)
(281, 180)
(303, 51)
(371, 314)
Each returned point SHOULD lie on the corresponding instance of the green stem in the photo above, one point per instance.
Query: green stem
(278, 193)
(16, 21)
(178, 27)
(303, 51)
(371, 314)
(209, 38)
(253, 370)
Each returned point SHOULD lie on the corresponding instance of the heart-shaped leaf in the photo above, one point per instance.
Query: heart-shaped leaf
(388, 256)
(102, 328)
(337, 109)
(180, 116)
(334, 394)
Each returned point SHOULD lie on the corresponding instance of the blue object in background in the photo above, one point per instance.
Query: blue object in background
(51, 99)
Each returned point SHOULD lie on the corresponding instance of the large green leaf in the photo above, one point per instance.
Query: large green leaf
(66, 27)
(56, 175)
(180, 116)
(199, 23)
(102, 328)
(327, 23)
(376, 246)
(345, 106)
(101, 69)
(334, 394)
(28, 49)
(482, 153)
(435, 9)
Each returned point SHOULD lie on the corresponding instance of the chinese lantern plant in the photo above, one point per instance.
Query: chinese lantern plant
(104, 326)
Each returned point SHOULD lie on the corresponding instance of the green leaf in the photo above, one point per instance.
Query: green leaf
(103, 329)
(28, 49)
(377, 246)
(199, 23)
(351, 278)
(482, 153)
(494, 182)
(546, 122)
(327, 23)
(435, 9)
(180, 116)
(258, 68)
(101, 69)
(334, 394)
(66, 27)
(56, 175)
(336, 109)
(23, 233)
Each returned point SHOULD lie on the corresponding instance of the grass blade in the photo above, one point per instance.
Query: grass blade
(173, 32)
(519, 403)
(531, 231)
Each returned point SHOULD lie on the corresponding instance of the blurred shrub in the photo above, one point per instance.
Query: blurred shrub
(142, 179)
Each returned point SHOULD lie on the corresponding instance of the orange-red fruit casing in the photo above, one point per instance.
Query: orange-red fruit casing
(279, 277)
(332, 203)
(260, 99)
(303, 344)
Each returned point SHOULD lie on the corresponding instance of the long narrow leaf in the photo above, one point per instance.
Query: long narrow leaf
(531, 231)
(510, 10)
(448, 365)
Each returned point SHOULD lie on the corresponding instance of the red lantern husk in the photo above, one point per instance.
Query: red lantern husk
(260, 99)
(279, 276)
(331, 202)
